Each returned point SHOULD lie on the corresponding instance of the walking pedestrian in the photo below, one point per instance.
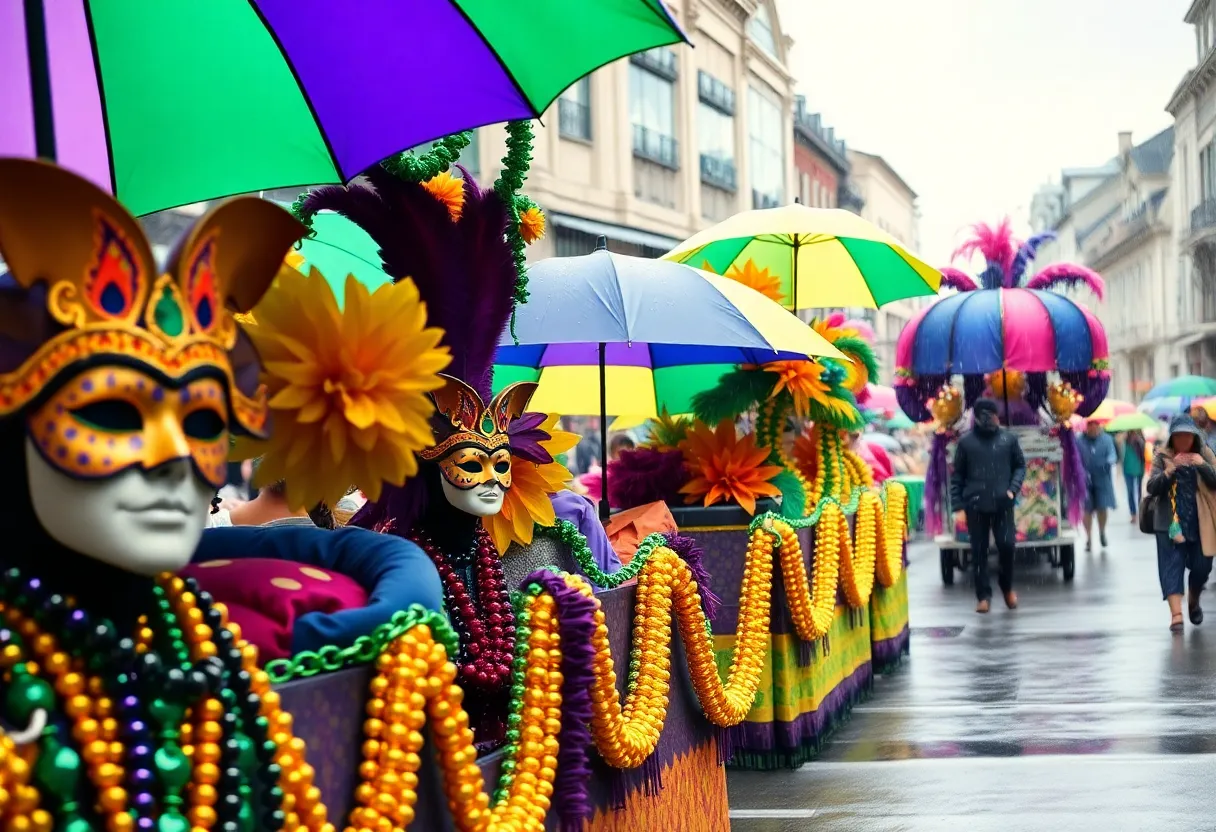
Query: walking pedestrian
(988, 471)
(1133, 469)
(1183, 482)
(1098, 454)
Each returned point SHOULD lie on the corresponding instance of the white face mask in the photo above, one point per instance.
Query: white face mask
(480, 500)
(146, 522)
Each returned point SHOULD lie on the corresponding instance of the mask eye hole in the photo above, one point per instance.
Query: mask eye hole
(205, 425)
(502, 467)
(470, 467)
(111, 415)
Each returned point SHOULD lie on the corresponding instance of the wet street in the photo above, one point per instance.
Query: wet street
(1078, 710)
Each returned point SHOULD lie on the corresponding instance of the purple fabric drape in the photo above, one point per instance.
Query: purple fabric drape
(1073, 474)
(581, 512)
(937, 480)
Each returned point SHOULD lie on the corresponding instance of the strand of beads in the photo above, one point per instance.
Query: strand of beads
(487, 635)
(857, 557)
(811, 609)
(890, 562)
(18, 799)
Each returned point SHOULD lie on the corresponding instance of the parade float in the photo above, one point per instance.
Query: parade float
(1042, 357)
(841, 606)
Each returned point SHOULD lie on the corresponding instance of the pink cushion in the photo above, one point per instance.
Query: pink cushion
(266, 597)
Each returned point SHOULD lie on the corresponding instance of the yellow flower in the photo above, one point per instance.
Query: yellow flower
(802, 379)
(449, 190)
(348, 388)
(756, 278)
(527, 500)
(532, 225)
(727, 467)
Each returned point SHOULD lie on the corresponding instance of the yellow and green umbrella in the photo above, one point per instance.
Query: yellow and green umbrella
(817, 257)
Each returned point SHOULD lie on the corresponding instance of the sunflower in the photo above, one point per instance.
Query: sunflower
(531, 224)
(527, 500)
(727, 467)
(449, 190)
(348, 387)
(803, 380)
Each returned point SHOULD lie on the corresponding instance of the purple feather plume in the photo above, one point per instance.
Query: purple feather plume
(526, 437)
(576, 626)
(937, 480)
(693, 555)
(1026, 253)
(1073, 472)
(645, 475)
(958, 279)
(1068, 274)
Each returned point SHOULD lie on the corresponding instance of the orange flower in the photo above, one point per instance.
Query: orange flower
(802, 379)
(527, 500)
(757, 278)
(449, 190)
(727, 467)
(531, 224)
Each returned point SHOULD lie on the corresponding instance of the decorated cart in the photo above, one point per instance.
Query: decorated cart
(1039, 355)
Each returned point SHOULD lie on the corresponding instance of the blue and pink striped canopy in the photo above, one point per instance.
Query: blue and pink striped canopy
(1032, 330)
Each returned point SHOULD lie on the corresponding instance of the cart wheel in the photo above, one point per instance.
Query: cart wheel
(1068, 562)
(947, 567)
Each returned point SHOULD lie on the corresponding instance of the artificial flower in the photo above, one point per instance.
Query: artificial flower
(531, 224)
(806, 452)
(727, 467)
(449, 190)
(667, 431)
(753, 276)
(348, 387)
(527, 500)
(803, 380)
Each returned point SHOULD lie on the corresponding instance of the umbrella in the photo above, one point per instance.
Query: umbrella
(1131, 421)
(822, 257)
(879, 398)
(1110, 408)
(640, 380)
(1183, 387)
(882, 440)
(1164, 407)
(169, 102)
(900, 422)
(656, 315)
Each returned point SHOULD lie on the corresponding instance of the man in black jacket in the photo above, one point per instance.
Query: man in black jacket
(988, 472)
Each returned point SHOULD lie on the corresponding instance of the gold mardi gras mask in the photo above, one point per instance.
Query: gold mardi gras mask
(478, 451)
(114, 364)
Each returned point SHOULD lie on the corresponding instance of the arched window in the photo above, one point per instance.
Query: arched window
(760, 28)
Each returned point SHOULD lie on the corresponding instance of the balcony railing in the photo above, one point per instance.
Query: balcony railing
(662, 61)
(716, 94)
(718, 172)
(849, 198)
(573, 119)
(763, 200)
(656, 147)
(1203, 216)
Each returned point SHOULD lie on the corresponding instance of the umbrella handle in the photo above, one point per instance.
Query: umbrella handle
(605, 509)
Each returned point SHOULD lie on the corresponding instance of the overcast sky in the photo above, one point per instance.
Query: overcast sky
(978, 102)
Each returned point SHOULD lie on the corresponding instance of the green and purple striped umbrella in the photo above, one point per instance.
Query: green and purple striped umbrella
(170, 102)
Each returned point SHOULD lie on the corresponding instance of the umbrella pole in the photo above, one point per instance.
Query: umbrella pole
(605, 509)
(40, 78)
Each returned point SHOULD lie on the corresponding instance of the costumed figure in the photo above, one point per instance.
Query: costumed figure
(1009, 335)
(129, 701)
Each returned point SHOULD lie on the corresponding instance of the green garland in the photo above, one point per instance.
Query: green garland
(521, 601)
(365, 648)
(515, 167)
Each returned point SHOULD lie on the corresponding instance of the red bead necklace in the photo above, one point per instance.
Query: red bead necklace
(487, 635)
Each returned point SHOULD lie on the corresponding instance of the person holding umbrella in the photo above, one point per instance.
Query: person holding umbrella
(1184, 519)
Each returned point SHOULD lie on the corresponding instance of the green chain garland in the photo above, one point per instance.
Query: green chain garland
(515, 167)
(365, 648)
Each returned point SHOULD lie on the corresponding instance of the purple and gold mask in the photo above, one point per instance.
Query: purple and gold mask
(477, 450)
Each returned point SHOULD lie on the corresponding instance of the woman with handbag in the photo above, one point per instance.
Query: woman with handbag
(1182, 494)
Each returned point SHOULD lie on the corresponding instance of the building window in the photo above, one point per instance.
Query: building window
(766, 150)
(715, 93)
(760, 29)
(652, 105)
(1207, 172)
(574, 111)
(816, 194)
(804, 188)
(716, 137)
